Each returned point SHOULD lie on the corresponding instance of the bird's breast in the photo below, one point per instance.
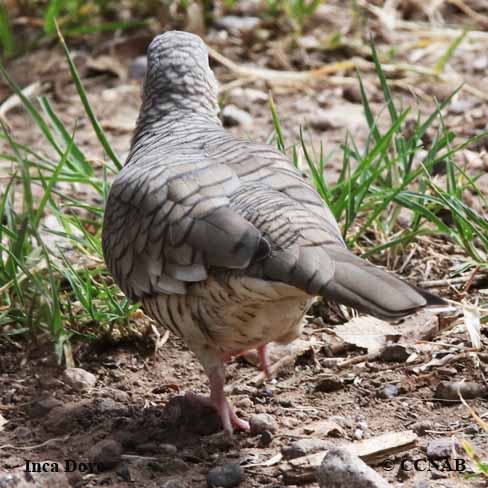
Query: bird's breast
(232, 313)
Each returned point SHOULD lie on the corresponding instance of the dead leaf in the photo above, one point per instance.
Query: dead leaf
(367, 332)
(473, 325)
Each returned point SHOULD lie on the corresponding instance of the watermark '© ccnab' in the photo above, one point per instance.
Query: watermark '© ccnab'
(68, 466)
(427, 464)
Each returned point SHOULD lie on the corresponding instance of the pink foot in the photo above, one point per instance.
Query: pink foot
(263, 359)
(218, 401)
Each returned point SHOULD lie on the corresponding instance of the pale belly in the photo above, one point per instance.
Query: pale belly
(233, 316)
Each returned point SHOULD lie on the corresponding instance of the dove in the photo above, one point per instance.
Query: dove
(220, 238)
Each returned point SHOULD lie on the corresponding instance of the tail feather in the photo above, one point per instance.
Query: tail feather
(370, 289)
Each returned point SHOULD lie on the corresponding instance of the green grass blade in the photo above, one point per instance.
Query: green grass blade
(88, 109)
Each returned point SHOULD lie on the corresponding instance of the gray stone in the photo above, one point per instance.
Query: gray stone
(138, 68)
(79, 379)
(39, 408)
(261, 422)
(106, 453)
(168, 449)
(394, 353)
(174, 483)
(421, 428)
(388, 391)
(442, 448)
(238, 25)
(302, 447)
(340, 469)
(19, 478)
(329, 385)
(234, 116)
(226, 476)
(107, 405)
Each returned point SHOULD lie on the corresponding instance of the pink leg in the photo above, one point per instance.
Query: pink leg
(263, 359)
(218, 401)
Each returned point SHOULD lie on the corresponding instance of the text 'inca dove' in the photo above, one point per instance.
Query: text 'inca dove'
(220, 238)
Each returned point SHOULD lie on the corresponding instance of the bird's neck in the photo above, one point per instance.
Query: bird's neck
(176, 106)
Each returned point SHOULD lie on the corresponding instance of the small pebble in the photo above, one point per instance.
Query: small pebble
(340, 468)
(39, 408)
(168, 449)
(442, 448)
(124, 472)
(233, 116)
(266, 438)
(226, 476)
(79, 379)
(329, 385)
(358, 434)
(173, 484)
(261, 422)
(421, 428)
(303, 447)
(388, 391)
(106, 453)
(394, 353)
(138, 67)
(238, 25)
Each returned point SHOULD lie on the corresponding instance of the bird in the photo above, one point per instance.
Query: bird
(220, 238)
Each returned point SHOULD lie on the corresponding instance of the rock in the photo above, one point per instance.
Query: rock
(261, 422)
(234, 116)
(138, 68)
(242, 97)
(421, 428)
(266, 438)
(168, 449)
(19, 478)
(106, 453)
(352, 94)
(450, 391)
(394, 353)
(422, 484)
(480, 63)
(107, 405)
(322, 428)
(388, 391)
(346, 115)
(329, 385)
(444, 447)
(302, 447)
(226, 476)
(79, 379)
(340, 468)
(115, 394)
(124, 472)
(238, 25)
(174, 483)
(39, 408)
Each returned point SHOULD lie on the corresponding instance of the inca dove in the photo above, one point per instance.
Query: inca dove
(220, 238)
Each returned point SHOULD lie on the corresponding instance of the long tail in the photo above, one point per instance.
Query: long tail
(369, 289)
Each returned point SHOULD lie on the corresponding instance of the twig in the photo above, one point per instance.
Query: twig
(42, 444)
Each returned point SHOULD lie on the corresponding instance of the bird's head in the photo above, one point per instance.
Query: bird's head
(179, 76)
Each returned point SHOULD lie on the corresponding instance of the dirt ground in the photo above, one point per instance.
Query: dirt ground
(323, 390)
